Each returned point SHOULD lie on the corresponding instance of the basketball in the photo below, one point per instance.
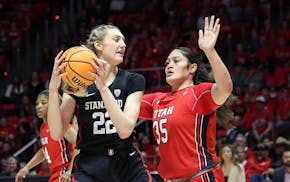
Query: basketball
(78, 60)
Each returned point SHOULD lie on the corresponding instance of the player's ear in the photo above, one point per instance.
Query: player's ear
(98, 45)
(193, 68)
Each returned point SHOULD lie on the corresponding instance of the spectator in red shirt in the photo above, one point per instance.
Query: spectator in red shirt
(283, 113)
(275, 76)
(261, 119)
(258, 164)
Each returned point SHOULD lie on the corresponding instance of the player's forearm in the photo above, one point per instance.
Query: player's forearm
(220, 72)
(35, 160)
(122, 123)
(54, 118)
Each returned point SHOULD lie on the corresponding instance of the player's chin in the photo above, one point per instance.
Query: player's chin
(39, 115)
(169, 79)
(119, 60)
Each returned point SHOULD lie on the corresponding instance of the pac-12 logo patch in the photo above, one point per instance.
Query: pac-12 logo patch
(117, 92)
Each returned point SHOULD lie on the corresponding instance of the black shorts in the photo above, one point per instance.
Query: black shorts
(111, 166)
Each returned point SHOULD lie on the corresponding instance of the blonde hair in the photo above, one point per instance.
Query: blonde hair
(98, 34)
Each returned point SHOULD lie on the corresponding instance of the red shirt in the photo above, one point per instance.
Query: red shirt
(261, 119)
(254, 166)
(56, 152)
(184, 126)
(283, 109)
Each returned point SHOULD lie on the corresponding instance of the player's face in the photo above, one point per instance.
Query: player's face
(177, 68)
(227, 153)
(113, 46)
(41, 106)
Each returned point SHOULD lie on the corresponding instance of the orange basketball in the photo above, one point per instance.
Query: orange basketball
(78, 60)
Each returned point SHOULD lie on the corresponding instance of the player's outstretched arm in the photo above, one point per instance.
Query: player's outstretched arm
(34, 161)
(207, 39)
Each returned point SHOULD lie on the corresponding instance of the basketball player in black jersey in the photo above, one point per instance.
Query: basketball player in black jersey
(107, 113)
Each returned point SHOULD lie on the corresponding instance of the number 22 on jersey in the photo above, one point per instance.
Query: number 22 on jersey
(103, 124)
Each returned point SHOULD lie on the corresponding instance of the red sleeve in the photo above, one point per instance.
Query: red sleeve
(146, 109)
(204, 103)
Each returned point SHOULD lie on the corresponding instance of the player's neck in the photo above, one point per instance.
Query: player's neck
(181, 86)
(111, 72)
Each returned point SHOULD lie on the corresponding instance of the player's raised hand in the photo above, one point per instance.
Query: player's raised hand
(208, 37)
(56, 75)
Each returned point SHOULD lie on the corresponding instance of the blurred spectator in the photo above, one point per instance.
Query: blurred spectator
(241, 156)
(233, 172)
(238, 76)
(236, 127)
(258, 164)
(14, 35)
(5, 44)
(35, 86)
(14, 88)
(261, 120)
(6, 151)
(12, 167)
(240, 55)
(283, 113)
(255, 74)
(7, 129)
(241, 141)
(268, 141)
(150, 162)
(270, 95)
(47, 59)
(282, 174)
(147, 146)
(281, 144)
(254, 43)
(274, 75)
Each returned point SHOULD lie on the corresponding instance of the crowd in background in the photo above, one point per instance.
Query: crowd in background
(254, 42)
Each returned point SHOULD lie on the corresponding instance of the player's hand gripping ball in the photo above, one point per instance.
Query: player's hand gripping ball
(78, 60)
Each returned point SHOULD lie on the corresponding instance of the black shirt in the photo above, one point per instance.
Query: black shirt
(96, 130)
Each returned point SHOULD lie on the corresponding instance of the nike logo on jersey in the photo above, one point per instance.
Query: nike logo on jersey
(132, 153)
(91, 94)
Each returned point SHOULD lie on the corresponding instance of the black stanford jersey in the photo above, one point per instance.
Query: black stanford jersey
(96, 129)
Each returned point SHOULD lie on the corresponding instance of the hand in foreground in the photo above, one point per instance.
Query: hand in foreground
(55, 80)
(208, 37)
(66, 177)
(21, 174)
(100, 66)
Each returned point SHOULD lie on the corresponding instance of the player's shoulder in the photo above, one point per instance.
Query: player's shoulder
(153, 97)
(202, 87)
(129, 73)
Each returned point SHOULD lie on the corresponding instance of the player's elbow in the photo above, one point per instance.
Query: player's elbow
(123, 135)
(126, 132)
(56, 135)
(228, 87)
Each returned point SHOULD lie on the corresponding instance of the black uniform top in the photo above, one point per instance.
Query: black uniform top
(96, 130)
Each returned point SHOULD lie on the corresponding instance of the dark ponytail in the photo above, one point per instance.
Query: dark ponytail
(224, 113)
